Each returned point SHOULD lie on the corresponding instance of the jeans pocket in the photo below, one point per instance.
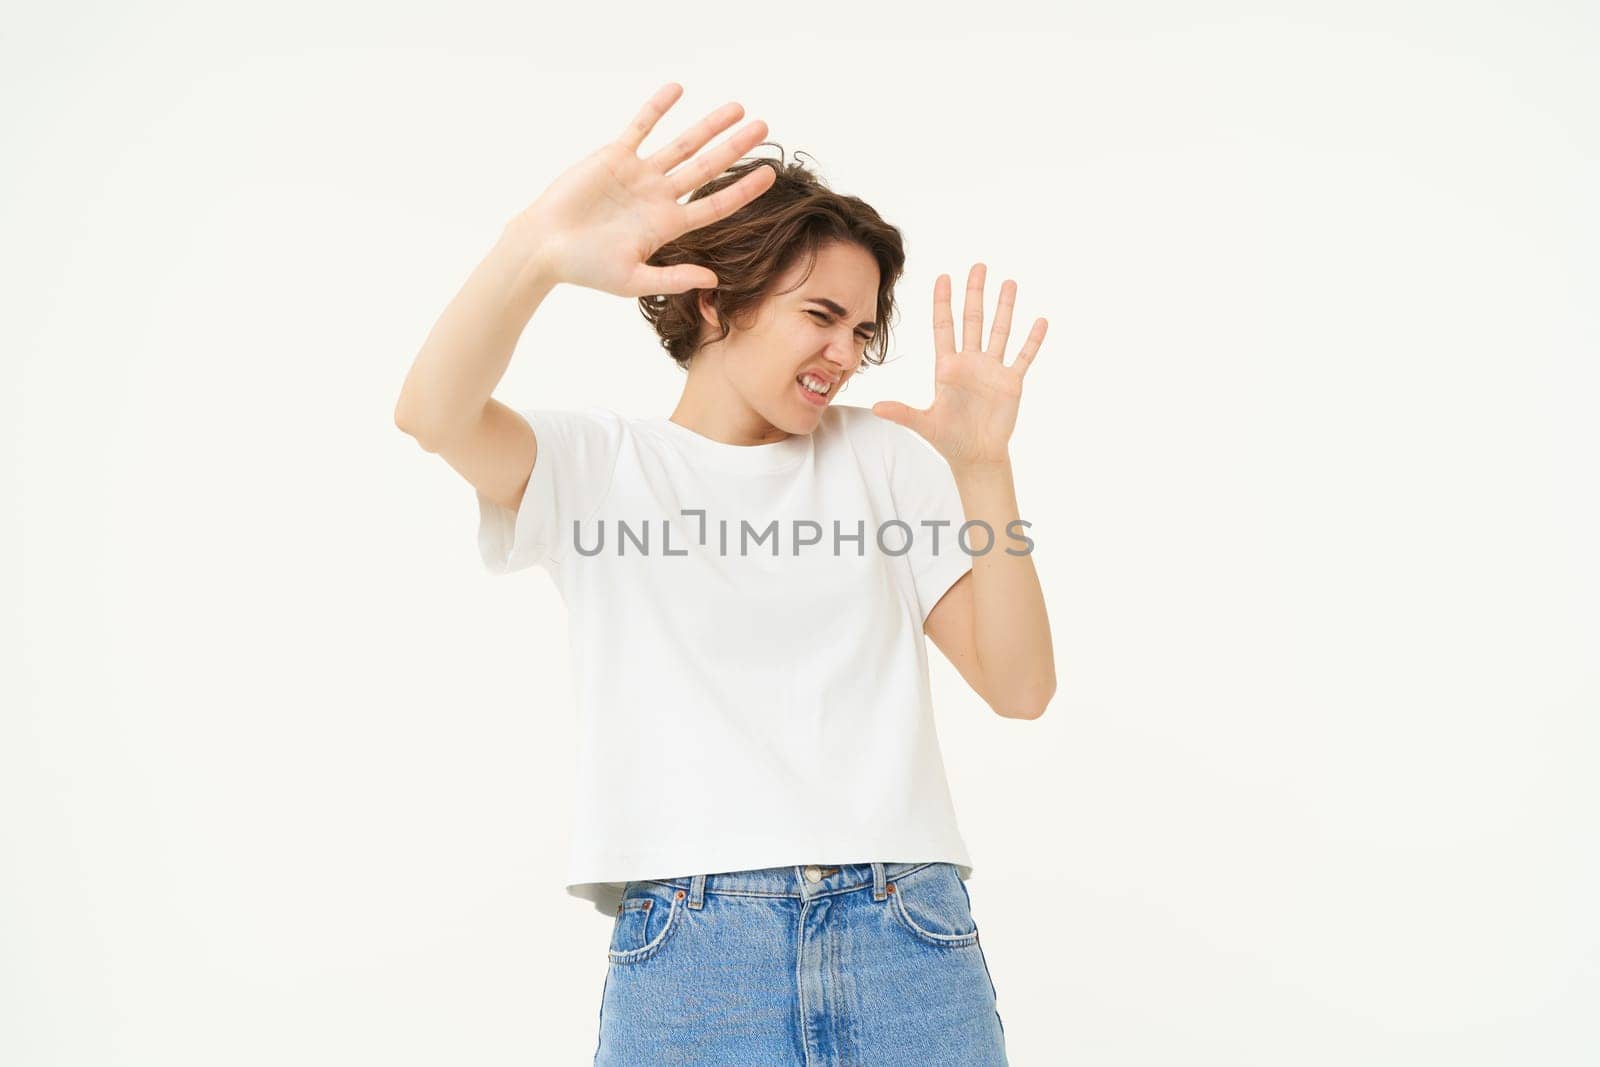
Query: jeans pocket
(932, 905)
(647, 917)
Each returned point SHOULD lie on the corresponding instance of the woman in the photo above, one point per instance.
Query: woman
(748, 583)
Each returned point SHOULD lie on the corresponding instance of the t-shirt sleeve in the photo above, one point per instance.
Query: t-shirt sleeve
(924, 489)
(572, 468)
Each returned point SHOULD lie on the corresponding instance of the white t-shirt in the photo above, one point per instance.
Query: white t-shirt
(738, 708)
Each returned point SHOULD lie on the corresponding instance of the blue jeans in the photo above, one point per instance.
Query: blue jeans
(811, 966)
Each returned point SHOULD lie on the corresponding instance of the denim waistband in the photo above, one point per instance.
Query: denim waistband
(801, 881)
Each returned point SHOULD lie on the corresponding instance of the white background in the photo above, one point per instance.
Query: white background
(1309, 450)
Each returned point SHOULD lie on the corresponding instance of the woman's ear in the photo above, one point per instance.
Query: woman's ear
(705, 303)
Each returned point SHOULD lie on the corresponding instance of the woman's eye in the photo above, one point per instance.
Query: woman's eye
(823, 318)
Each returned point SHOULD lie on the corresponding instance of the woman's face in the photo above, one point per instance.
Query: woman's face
(795, 333)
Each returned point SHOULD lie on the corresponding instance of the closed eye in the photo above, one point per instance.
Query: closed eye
(824, 317)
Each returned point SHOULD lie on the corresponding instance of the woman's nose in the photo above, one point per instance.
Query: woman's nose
(844, 357)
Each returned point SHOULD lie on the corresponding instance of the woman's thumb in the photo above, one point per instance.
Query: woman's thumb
(678, 278)
(914, 419)
(892, 410)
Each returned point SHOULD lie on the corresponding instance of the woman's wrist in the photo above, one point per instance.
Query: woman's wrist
(528, 252)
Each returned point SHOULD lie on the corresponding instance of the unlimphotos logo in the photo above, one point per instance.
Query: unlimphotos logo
(894, 537)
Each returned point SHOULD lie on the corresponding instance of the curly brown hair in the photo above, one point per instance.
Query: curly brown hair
(752, 248)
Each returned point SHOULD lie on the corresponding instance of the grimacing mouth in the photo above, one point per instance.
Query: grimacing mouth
(832, 383)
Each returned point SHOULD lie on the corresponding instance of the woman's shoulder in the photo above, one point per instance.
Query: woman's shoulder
(855, 422)
(607, 421)
(867, 431)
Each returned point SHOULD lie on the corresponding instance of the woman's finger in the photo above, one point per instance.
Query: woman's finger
(701, 169)
(635, 132)
(972, 309)
(695, 139)
(1001, 330)
(944, 335)
(724, 202)
(1030, 347)
(665, 281)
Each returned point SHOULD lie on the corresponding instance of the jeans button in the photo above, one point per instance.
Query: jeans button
(814, 873)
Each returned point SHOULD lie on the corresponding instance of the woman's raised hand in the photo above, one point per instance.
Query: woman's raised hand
(606, 215)
(976, 393)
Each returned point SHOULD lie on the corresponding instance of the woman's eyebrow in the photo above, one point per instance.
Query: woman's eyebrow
(838, 310)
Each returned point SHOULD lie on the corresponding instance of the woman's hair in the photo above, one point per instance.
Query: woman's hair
(753, 247)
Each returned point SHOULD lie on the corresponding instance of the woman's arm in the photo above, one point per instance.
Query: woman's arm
(470, 346)
(992, 624)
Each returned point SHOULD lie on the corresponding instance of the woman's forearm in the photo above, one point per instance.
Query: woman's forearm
(1011, 630)
(470, 346)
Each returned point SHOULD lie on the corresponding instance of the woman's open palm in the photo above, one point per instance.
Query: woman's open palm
(975, 392)
(599, 222)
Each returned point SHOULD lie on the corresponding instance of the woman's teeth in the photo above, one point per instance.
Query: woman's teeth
(816, 385)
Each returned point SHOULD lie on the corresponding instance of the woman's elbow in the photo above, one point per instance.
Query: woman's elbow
(1029, 704)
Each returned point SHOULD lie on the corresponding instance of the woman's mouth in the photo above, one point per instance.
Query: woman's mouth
(809, 386)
